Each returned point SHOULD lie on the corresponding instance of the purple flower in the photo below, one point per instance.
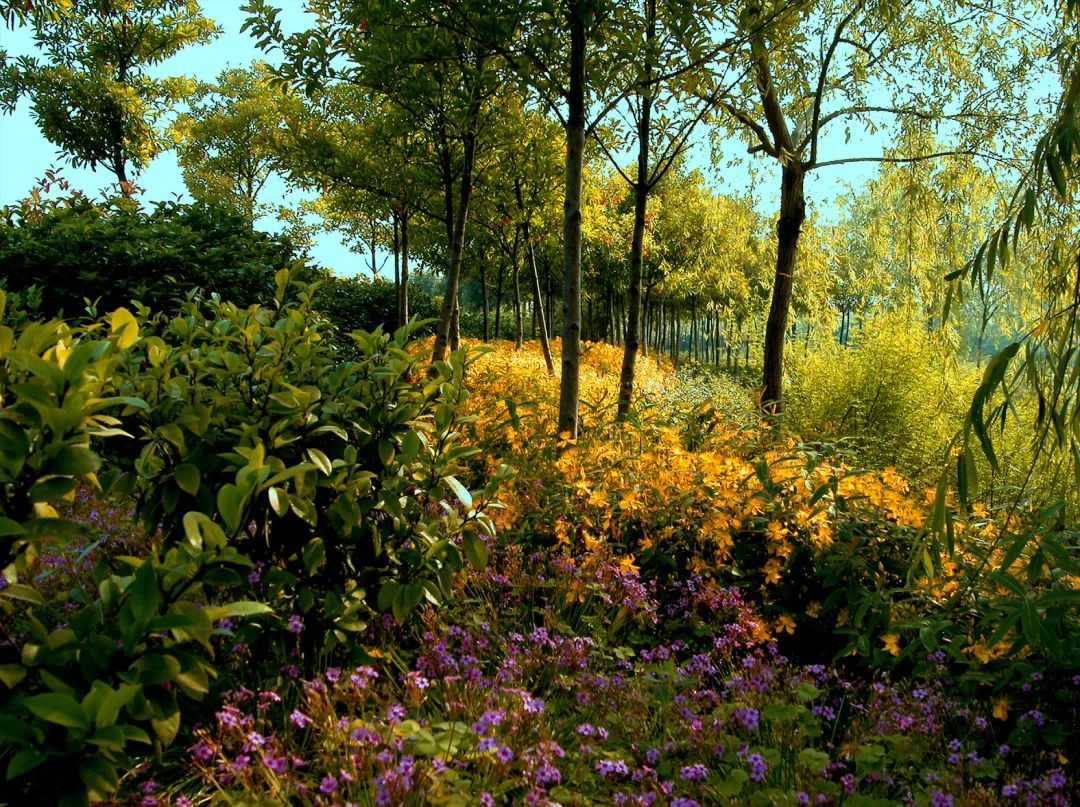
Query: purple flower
(746, 717)
(299, 719)
(1010, 790)
(694, 773)
(758, 767)
(296, 624)
(682, 801)
(328, 785)
(202, 751)
(548, 774)
(608, 767)
(504, 754)
(275, 764)
(395, 713)
(940, 799)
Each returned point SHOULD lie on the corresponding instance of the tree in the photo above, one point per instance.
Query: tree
(401, 50)
(230, 138)
(809, 67)
(366, 160)
(93, 94)
(664, 86)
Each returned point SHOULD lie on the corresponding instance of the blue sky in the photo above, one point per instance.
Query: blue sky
(25, 154)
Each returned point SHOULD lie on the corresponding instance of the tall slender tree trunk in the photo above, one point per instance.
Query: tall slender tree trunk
(517, 291)
(499, 300)
(403, 289)
(457, 248)
(397, 268)
(538, 300)
(569, 384)
(484, 295)
(455, 326)
(788, 228)
(650, 322)
(637, 241)
(372, 245)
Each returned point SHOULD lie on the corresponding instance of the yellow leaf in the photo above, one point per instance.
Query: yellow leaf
(123, 326)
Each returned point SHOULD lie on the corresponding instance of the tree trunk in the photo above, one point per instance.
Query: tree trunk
(403, 289)
(575, 151)
(455, 326)
(397, 269)
(792, 215)
(457, 248)
(374, 264)
(650, 322)
(484, 295)
(499, 299)
(538, 302)
(517, 292)
(637, 241)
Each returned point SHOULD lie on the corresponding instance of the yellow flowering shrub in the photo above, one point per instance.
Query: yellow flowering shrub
(826, 548)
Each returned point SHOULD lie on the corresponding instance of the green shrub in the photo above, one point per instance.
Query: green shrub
(104, 666)
(117, 252)
(898, 390)
(338, 476)
(360, 304)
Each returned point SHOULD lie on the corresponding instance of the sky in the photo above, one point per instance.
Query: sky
(25, 154)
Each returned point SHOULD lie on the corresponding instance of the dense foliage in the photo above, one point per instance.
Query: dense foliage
(77, 252)
(709, 594)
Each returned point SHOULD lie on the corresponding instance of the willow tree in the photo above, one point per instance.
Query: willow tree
(94, 91)
(809, 70)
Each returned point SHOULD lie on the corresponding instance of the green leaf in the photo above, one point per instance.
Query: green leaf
(314, 554)
(143, 595)
(240, 608)
(12, 674)
(813, 759)
(188, 478)
(113, 702)
(475, 550)
(320, 460)
(24, 762)
(74, 461)
(230, 502)
(166, 728)
(18, 591)
(60, 709)
(460, 491)
(200, 530)
(387, 594)
(123, 326)
(9, 527)
(156, 668)
(386, 451)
